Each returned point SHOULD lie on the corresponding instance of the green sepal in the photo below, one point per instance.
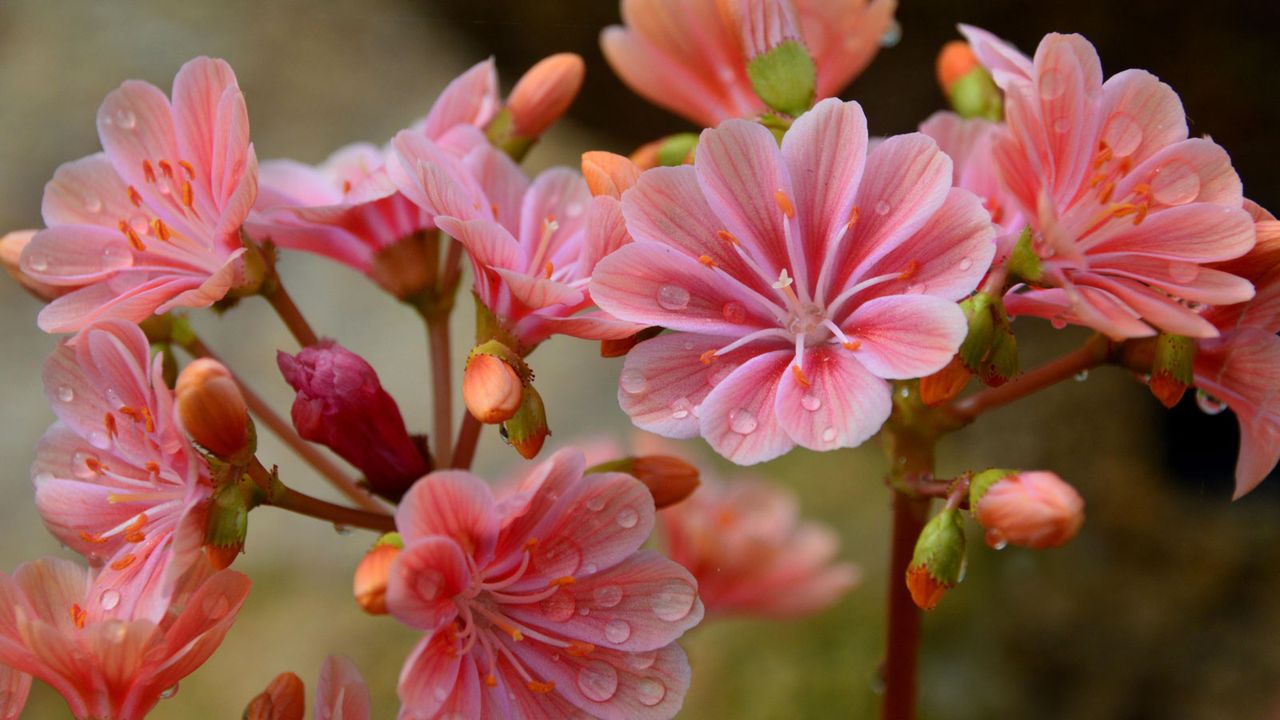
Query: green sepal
(527, 429)
(982, 482)
(784, 77)
(676, 149)
(1175, 357)
(975, 95)
(500, 350)
(392, 539)
(501, 133)
(940, 550)
(1023, 263)
(228, 521)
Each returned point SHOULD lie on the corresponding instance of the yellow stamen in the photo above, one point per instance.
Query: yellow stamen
(562, 580)
(548, 270)
(188, 196)
(134, 240)
(852, 345)
(577, 648)
(191, 172)
(160, 229)
(912, 267)
(166, 168)
(77, 616)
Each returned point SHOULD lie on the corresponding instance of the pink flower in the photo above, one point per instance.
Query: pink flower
(750, 552)
(968, 143)
(347, 209)
(1030, 509)
(107, 659)
(797, 281)
(153, 223)
(529, 244)
(341, 404)
(539, 603)
(1241, 368)
(115, 478)
(1126, 210)
(341, 693)
(688, 55)
(14, 687)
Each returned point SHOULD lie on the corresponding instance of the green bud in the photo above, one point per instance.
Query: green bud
(392, 538)
(1024, 263)
(975, 95)
(227, 525)
(990, 349)
(982, 482)
(527, 430)
(676, 149)
(501, 133)
(784, 77)
(939, 560)
(1171, 370)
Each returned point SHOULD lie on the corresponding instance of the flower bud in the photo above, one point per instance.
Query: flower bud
(608, 174)
(1171, 369)
(11, 247)
(212, 410)
(939, 560)
(1030, 509)
(778, 64)
(370, 582)
(341, 404)
(669, 479)
(670, 151)
(544, 93)
(945, 384)
(955, 61)
(226, 526)
(284, 699)
(1023, 263)
(493, 382)
(990, 349)
(527, 430)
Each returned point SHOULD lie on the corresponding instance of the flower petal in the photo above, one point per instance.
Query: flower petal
(738, 418)
(424, 579)
(906, 336)
(842, 404)
(452, 503)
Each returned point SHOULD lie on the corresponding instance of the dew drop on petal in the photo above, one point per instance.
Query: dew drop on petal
(743, 421)
(1209, 404)
(115, 257)
(99, 439)
(342, 529)
(110, 599)
(595, 503)
(632, 382)
(650, 692)
(36, 262)
(80, 465)
(42, 478)
(1175, 183)
(1058, 322)
(892, 34)
(914, 289)
(966, 264)
(617, 631)
(642, 660)
(1061, 125)
(126, 118)
(66, 394)
(170, 692)
(216, 606)
(1123, 134)
(734, 312)
(1183, 272)
(589, 569)
(598, 681)
(829, 435)
(92, 204)
(719, 372)
(674, 601)
(573, 209)
(607, 596)
(558, 607)
(1082, 376)
(1051, 85)
(811, 402)
(680, 408)
(584, 611)
(627, 518)
(673, 297)
(883, 207)
(996, 540)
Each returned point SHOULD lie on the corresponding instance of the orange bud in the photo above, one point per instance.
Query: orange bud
(491, 389)
(1035, 510)
(669, 479)
(11, 247)
(545, 93)
(212, 409)
(945, 384)
(608, 174)
(926, 591)
(370, 582)
(646, 156)
(284, 699)
(954, 62)
(222, 557)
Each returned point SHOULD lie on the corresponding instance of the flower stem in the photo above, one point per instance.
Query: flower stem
(290, 314)
(1096, 351)
(279, 495)
(442, 387)
(468, 435)
(283, 429)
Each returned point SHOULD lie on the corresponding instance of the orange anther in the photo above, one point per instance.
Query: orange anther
(548, 270)
(148, 172)
(800, 376)
(188, 196)
(109, 422)
(563, 580)
(124, 562)
(152, 468)
(911, 269)
(727, 236)
(135, 197)
(148, 422)
(707, 260)
(346, 186)
(540, 687)
(166, 168)
(852, 345)
(784, 203)
(90, 538)
(134, 240)
(160, 229)
(134, 537)
(707, 357)
(1104, 194)
(577, 648)
(94, 465)
(490, 680)
(1142, 214)
(77, 616)
(854, 214)
(191, 172)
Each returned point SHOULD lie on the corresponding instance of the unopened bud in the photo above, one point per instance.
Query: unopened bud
(370, 582)
(955, 61)
(226, 526)
(1172, 367)
(527, 430)
(11, 247)
(945, 384)
(939, 559)
(778, 64)
(284, 699)
(492, 388)
(622, 346)
(213, 411)
(608, 174)
(670, 151)
(669, 479)
(544, 93)
(975, 95)
(1030, 509)
(401, 268)
(1024, 264)
(990, 349)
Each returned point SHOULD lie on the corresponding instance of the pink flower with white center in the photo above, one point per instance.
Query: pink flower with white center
(752, 555)
(688, 55)
(108, 661)
(347, 208)
(341, 692)
(1126, 209)
(529, 244)
(14, 688)
(1240, 369)
(115, 477)
(798, 282)
(539, 603)
(153, 223)
(968, 142)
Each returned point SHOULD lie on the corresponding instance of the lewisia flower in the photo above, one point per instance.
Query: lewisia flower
(528, 241)
(115, 478)
(745, 543)
(968, 142)
(152, 223)
(347, 209)
(539, 603)
(798, 280)
(1126, 210)
(106, 657)
(341, 693)
(690, 56)
(1241, 368)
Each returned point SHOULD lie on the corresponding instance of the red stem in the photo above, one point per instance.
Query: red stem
(286, 498)
(441, 388)
(1093, 353)
(290, 314)
(464, 451)
(902, 646)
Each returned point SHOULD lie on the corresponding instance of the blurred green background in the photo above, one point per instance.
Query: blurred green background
(1163, 608)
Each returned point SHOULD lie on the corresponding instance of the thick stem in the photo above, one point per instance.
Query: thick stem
(441, 387)
(290, 314)
(283, 429)
(279, 495)
(1093, 353)
(468, 435)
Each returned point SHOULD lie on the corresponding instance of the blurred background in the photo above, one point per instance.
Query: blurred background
(1163, 608)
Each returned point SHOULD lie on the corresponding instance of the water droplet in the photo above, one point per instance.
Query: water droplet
(1061, 125)
(573, 209)
(584, 611)
(1058, 322)
(558, 607)
(650, 692)
(719, 372)
(1123, 135)
(216, 607)
(126, 118)
(904, 393)
(680, 408)
(883, 207)
(1183, 272)
(1209, 404)
(734, 312)
(607, 596)
(170, 692)
(595, 503)
(743, 422)
(116, 256)
(65, 393)
(598, 681)
(829, 435)
(996, 540)
(557, 558)
(342, 529)
(642, 660)
(632, 382)
(589, 569)
(811, 402)
(1052, 85)
(426, 584)
(92, 204)
(99, 439)
(892, 34)
(110, 599)
(80, 465)
(674, 601)
(617, 631)
(673, 297)
(1082, 376)
(914, 289)
(627, 518)
(42, 478)
(36, 262)
(1175, 183)
(139, 224)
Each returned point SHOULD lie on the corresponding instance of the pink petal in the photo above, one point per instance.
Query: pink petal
(1188, 281)
(538, 293)
(842, 405)
(86, 192)
(198, 90)
(1137, 99)
(593, 326)
(291, 183)
(559, 195)
(470, 99)
(906, 336)
(341, 693)
(606, 232)
(738, 418)
(1089, 307)
(487, 242)
(76, 255)
(1245, 373)
(502, 182)
(51, 585)
(135, 123)
(1184, 172)
(1196, 233)
(536, 495)
(425, 578)
(453, 503)
(434, 678)
(1005, 63)
(14, 687)
(433, 179)
(1068, 80)
(77, 309)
